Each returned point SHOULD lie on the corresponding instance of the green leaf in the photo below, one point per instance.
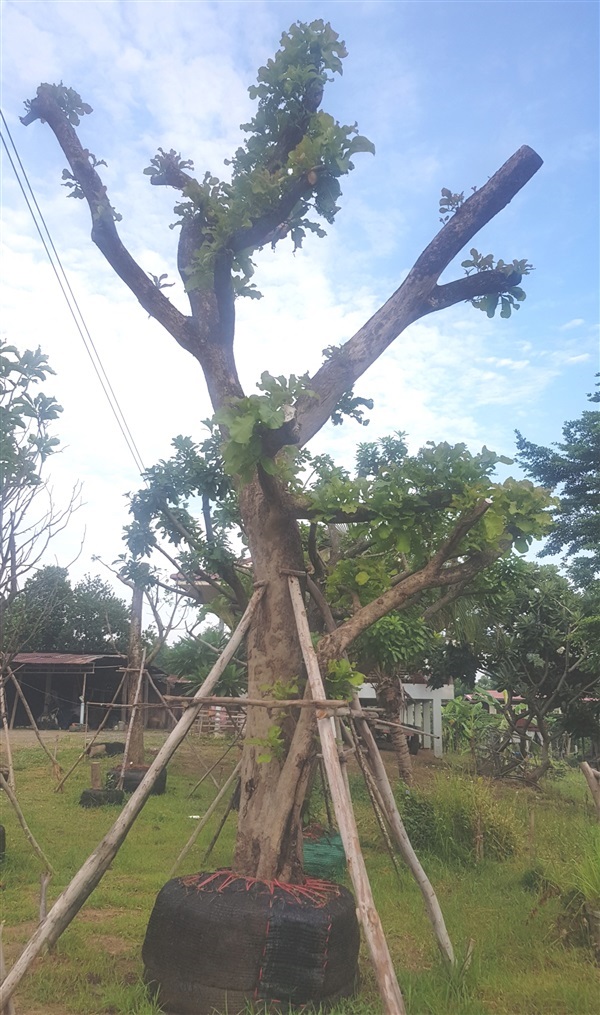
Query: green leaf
(242, 428)
(361, 144)
(362, 578)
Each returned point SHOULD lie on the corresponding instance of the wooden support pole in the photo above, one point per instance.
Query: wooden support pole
(89, 875)
(214, 765)
(21, 817)
(9, 1007)
(593, 781)
(19, 695)
(402, 840)
(203, 822)
(382, 961)
(95, 737)
(132, 726)
(165, 705)
(326, 704)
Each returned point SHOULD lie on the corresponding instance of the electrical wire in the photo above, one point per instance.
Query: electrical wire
(71, 301)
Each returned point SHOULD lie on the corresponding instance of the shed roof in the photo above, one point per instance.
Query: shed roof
(64, 658)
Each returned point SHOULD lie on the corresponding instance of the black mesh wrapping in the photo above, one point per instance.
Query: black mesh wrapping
(217, 941)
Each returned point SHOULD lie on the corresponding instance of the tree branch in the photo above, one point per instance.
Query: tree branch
(104, 232)
(415, 298)
(435, 574)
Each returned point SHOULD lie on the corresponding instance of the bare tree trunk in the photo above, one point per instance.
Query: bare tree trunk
(269, 839)
(134, 664)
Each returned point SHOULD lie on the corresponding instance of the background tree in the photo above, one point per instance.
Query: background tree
(29, 519)
(543, 648)
(51, 615)
(574, 468)
(284, 180)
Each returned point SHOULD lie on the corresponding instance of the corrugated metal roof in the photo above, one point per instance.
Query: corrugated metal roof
(62, 658)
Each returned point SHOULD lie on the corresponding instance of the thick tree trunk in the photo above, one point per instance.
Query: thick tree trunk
(269, 840)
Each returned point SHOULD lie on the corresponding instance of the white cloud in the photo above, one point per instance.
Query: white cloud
(575, 323)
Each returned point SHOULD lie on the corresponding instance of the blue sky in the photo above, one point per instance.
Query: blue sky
(446, 90)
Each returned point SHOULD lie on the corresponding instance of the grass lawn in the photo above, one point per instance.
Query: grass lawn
(529, 956)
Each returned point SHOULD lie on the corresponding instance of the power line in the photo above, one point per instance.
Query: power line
(72, 303)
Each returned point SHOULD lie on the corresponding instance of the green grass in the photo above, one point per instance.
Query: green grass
(528, 956)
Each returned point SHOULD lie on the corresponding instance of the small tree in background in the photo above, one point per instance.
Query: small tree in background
(575, 469)
(285, 181)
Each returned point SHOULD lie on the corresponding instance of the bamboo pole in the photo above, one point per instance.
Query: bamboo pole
(132, 718)
(212, 768)
(96, 735)
(593, 781)
(21, 817)
(221, 825)
(34, 725)
(165, 704)
(326, 704)
(403, 842)
(382, 961)
(89, 875)
(202, 823)
(9, 1007)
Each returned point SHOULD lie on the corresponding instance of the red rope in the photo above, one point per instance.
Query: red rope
(314, 890)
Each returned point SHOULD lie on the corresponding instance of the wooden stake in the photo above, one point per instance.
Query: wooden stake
(96, 735)
(165, 704)
(221, 824)
(9, 1007)
(201, 824)
(212, 768)
(369, 917)
(593, 781)
(34, 725)
(401, 838)
(132, 719)
(89, 875)
(34, 845)
(95, 777)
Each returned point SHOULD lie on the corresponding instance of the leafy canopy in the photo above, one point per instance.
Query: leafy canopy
(575, 469)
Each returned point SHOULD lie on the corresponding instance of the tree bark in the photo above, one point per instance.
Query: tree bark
(269, 841)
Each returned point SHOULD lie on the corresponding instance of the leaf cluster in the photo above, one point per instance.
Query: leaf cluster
(25, 418)
(290, 141)
(248, 419)
(573, 465)
(67, 99)
(512, 297)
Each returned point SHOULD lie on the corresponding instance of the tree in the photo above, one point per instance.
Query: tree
(543, 648)
(575, 469)
(26, 442)
(51, 615)
(283, 179)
